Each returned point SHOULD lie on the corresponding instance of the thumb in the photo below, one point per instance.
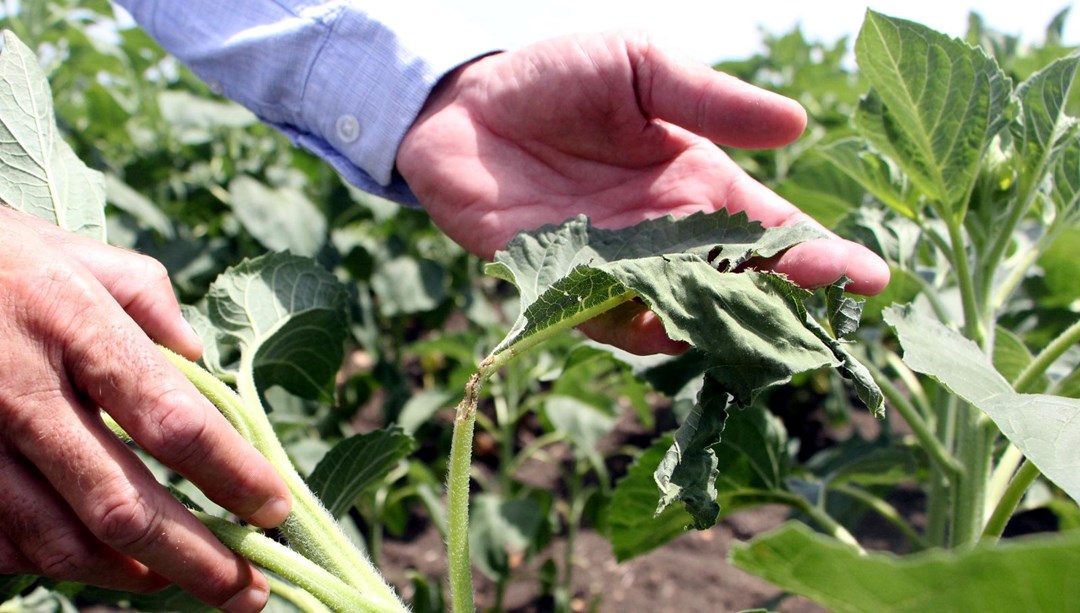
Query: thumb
(712, 104)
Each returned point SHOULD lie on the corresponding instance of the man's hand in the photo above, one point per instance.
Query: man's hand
(611, 127)
(78, 322)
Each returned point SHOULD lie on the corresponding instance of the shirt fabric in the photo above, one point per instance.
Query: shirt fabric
(341, 79)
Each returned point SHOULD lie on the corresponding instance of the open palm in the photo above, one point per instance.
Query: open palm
(612, 127)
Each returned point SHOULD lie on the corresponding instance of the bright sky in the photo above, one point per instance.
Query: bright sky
(714, 30)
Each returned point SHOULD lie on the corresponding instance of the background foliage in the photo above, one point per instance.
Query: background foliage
(200, 184)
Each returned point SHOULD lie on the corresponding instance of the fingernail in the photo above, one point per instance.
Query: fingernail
(252, 599)
(271, 514)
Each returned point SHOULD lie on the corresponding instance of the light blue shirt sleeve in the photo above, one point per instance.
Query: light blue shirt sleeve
(343, 79)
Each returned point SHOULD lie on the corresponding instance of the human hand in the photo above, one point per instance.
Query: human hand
(612, 127)
(76, 322)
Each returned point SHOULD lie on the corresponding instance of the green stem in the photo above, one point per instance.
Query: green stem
(1046, 357)
(311, 530)
(885, 510)
(975, 451)
(1004, 471)
(973, 325)
(457, 481)
(940, 493)
(922, 431)
(286, 563)
(300, 598)
(457, 484)
(829, 525)
(1010, 500)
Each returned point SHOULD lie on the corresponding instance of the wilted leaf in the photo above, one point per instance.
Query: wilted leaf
(634, 527)
(42, 176)
(844, 311)
(1034, 574)
(689, 469)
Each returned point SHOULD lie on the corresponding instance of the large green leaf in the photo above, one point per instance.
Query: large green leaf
(936, 104)
(1035, 574)
(290, 312)
(281, 218)
(1044, 122)
(1066, 173)
(1045, 428)
(355, 464)
(41, 174)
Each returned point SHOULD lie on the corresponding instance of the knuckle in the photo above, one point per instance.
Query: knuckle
(128, 522)
(58, 553)
(151, 277)
(178, 429)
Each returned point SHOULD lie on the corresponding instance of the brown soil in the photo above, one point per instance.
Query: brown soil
(688, 575)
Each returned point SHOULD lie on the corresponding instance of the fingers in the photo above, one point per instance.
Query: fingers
(632, 327)
(70, 348)
(712, 104)
(40, 535)
(821, 262)
(123, 372)
(118, 501)
(137, 283)
(814, 263)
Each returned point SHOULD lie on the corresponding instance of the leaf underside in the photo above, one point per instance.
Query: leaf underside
(753, 328)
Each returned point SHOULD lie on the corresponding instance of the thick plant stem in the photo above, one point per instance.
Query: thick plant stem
(941, 493)
(1019, 485)
(311, 530)
(974, 448)
(457, 482)
(457, 538)
(275, 557)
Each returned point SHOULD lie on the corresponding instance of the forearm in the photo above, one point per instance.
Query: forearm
(343, 80)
